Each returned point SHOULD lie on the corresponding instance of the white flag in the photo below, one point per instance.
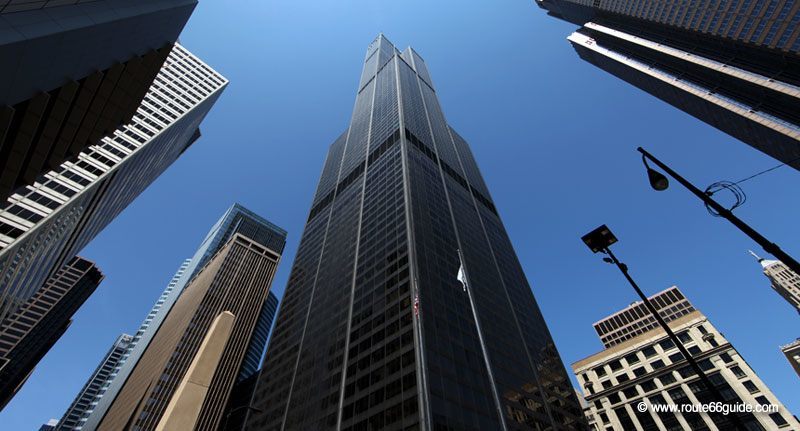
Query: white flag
(461, 276)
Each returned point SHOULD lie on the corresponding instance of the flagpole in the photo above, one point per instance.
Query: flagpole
(468, 290)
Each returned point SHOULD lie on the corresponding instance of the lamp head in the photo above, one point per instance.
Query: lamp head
(657, 180)
(599, 239)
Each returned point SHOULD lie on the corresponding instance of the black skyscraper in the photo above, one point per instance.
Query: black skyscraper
(29, 334)
(375, 330)
(732, 64)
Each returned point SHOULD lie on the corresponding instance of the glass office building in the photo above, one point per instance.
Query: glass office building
(375, 331)
(75, 415)
(733, 64)
(87, 400)
(258, 341)
(46, 223)
(73, 71)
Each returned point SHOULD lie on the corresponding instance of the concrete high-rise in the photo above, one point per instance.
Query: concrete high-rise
(783, 280)
(72, 73)
(29, 333)
(45, 224)
(77, 412)
(236, 219)
(624, 381)
(200, 346)
(241, 398)
(732, 64)
(375, 331)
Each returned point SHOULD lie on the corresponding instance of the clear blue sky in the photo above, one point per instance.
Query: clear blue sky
(554, 137)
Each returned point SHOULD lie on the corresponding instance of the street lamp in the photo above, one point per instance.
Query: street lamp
(600, 241)
(659, 182)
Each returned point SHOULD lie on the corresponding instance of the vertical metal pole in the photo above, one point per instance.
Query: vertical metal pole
(488, 364)
(703, 377)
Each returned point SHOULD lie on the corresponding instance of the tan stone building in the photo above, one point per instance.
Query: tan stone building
(783, 280)
(792, 352)
(623, 382)
(185, 376)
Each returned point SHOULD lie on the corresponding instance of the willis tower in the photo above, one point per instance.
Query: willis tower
(376, 331)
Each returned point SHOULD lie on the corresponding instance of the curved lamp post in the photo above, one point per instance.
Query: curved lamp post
(660, 182)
